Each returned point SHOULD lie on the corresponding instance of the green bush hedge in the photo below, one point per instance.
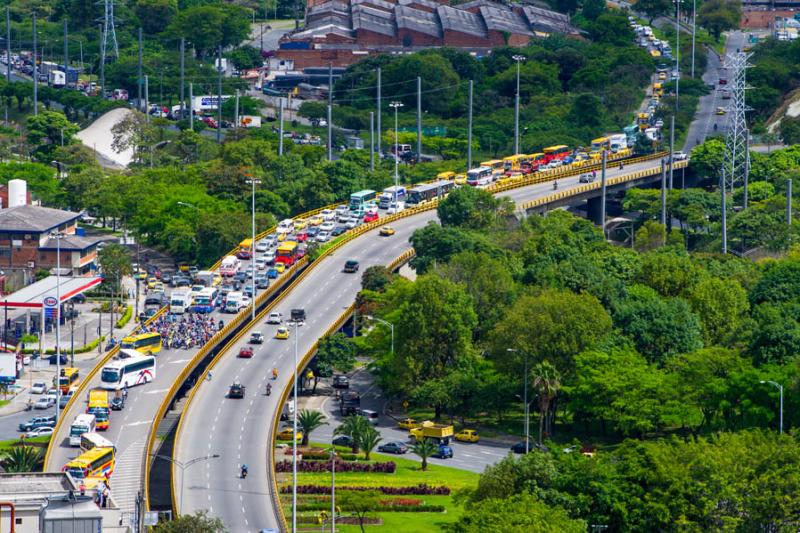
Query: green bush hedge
(325, 506)
(80, 349)
(126, 317)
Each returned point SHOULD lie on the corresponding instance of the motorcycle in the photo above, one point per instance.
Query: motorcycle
(269, 389)
(244, 472)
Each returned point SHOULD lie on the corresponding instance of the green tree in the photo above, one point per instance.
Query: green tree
(368, 439)
(353, 426)
(668, 271)
(776, 335)
(424, 449)
(22, 459)
(707, 158)
(199, 522)
(155, 15)
(790, 130)
(521, 512)
(468, 207)
(376, 278)
(335, 353)
(650, 236)
(359, 502)
(308, 421)
(654, 8)
(719, 15)
(207, 26)
(45, 132)
(245, 57)
(722, 306)
(115, 263)
(779, 283)
(546, 382)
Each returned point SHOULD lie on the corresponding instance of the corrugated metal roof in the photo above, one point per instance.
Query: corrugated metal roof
(461, 21)
(378, 4)
(417, 20)
(374, 20)
(545, 20)
(426, 3)
(33, 218)
(503, 19)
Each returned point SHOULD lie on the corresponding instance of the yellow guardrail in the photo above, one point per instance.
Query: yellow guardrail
(82, 386)
(338, 323)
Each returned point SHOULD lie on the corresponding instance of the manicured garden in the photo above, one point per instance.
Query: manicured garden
(420, 501)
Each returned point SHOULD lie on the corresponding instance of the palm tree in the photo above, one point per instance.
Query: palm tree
(368, 439)
(424, 449)
(22, 459)
(353, 426)
(308, 421)
(546, 383)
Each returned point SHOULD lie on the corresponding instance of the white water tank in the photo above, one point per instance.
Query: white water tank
(17, 192)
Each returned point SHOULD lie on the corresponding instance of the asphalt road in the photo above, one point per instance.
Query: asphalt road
(238, 430)
(705, 117)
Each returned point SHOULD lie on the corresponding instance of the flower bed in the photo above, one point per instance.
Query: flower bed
(378, 507)
(388, 467)
(415, 490)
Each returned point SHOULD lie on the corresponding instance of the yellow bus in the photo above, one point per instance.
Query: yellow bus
(513, 163)
(496, 165)
(69, 377)
(658, 89)
(447, 176)
(98, 406)
(245, 250)
(642, 120)
(91, 467)
(144, 343)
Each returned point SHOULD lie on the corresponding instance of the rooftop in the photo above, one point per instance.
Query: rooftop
(34, 485)
(503, 19)
(378, 4)
(71, 242)
(374, 20)
(417, 20)
(461, 21)
(33, 295)
(32, 218)
(430, 4)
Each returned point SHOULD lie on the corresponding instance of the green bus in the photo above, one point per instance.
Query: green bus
(358, 200)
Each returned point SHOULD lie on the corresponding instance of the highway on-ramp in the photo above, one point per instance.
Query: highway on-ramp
(238, 430)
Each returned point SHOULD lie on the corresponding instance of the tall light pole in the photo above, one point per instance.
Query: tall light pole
(385, 323)
(396, 106)
(183, 466)
(525, 401)
(677, 50)
(333, 490)
(694, 30)
(519, 59)
(57, 235)
(780, 389)
(253, 182)
(296, 324)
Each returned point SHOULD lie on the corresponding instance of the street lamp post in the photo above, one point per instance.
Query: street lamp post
(385, 323)
(677, 50)
(71, 333)
(333, 490)
(253, 182)
(296, 324)
(57, 236)
(780, 389)
(396, 106)
(183, 466)
(519, 59)
(525, 401)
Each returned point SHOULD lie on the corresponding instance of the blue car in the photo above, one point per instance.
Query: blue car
(272, 273)
(248, 290)
(444, 452)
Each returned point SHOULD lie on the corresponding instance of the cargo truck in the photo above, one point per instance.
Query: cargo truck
(440, 433)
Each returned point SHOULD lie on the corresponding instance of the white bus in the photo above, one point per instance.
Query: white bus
(179, 302)
(479, 177)
(83, 423)
(136, 370)
(94, 440)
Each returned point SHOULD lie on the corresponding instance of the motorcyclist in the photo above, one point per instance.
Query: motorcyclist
(555, 184)
(274, 372)
(221, 324)
(269, 389)
(244, 471)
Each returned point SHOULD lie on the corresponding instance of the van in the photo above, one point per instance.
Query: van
(234, 302)
(371, 416)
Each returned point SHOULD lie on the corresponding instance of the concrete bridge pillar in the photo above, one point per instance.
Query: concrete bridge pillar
(595, 210)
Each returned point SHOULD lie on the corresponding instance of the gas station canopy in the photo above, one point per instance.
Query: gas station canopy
(33, 296)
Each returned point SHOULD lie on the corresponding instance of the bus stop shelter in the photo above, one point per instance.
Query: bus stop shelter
(40, 300)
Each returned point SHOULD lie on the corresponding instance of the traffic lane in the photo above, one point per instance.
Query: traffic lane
(332, 295)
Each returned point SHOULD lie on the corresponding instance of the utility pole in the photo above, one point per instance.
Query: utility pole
(146, 98)
(219, 94)
(330, 134)
(419, 118)
(236, 117)
(789, 202)
(724, 216)
(330, 84)
(469, 128)
(663, 193)
(35, 71)
(671, 147)
(280, 126)
(66, 50)
(191, 107)
(378, 112)
(694, 30)
(8, 45)
(183, 76)
(603, 193)
(371, 140)
(519, 59)
(746, 167)
(140, 78)
(103, 75)
(677, 51)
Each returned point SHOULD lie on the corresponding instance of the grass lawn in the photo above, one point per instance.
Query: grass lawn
(6, 445)
(408, 473)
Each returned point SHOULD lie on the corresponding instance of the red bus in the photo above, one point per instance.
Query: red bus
(559, 151)
(287, 253)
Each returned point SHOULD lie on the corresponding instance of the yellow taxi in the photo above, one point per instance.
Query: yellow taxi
(408, 423)
(158, 287)
(387, 231)
(662, 75)
(286, 434)
(280, 267)
(720, 111)
(316, 220)
(460, 179)
(216, 280)
(151, 282)
(282, 236)
(467, 435)
(282, 333)
(515, 176)
(300, 223)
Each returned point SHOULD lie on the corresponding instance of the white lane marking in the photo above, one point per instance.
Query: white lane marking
(138, 423)
(159, 391)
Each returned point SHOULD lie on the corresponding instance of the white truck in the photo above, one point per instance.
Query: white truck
(207, 103)
(57, 79)
(179, 302)
(235, 302)
(250, 121)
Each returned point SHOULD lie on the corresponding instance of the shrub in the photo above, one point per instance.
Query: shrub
(415, 490)
(302, 507)
(126, 317)
(388, 467)
(402, 502)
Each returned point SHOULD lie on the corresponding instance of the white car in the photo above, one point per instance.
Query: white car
(275, 318)
(43, 403)
(39, 387)
(328, 215)
(245, 301)
(249, 272)
(38, 432)
(395, 208)
(261, 263)
(342, 210)
(351, 223)
(286, 226)
(323, 236)
(679, 156)
(269, 257)
(53, 395)
(555, 164)
(262, 246)
(271, 239)
(326, 227)
(341, 218)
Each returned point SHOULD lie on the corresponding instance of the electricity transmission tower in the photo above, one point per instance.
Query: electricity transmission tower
(736, 157)
(109, 31)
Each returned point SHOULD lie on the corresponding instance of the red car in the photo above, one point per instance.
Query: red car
(243, 254)
(370, 217)
(210, 122)
(301, 237)
(246, 352)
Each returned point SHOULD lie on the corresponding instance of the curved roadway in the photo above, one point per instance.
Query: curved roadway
(239, 430)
